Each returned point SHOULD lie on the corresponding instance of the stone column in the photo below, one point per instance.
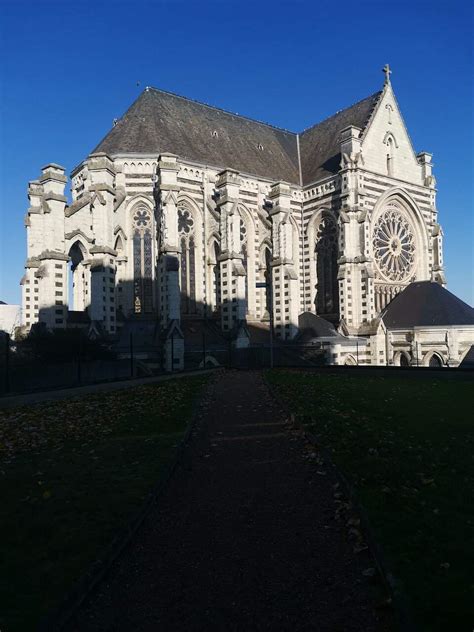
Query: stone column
(102, 310)
(102, 191)
(284, 264)
(166, 196)
(356, 287)
(45, 282)
(233, 303)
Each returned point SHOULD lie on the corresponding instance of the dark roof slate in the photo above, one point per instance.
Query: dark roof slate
(425, 303)
(312, 326)
(319, 145)
(159, 122)
(468, 360)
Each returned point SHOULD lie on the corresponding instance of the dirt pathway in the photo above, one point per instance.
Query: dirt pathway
(245, 536)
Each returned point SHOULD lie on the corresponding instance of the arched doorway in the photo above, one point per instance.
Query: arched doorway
(404, 361)
(78, 278)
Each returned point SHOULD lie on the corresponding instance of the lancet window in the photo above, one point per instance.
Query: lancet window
(244, 250)
(216, 277)
(187, 241)
(142, 261)
(326, 254)
(265, 275)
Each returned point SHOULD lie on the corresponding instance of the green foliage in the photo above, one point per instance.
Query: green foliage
(72, 474)
(407, 446)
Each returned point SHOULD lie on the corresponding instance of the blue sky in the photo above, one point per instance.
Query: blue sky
(68, 68)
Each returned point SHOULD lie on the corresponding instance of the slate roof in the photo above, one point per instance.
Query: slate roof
(319, 145)
(468, 360)
(160, 121)
(312, 326)
(425, 303)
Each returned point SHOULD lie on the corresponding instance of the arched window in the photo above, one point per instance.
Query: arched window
(142, 261)
(216, 277)
(265, 275)
(119, 245)
(187, 242)
(326, 254)
(389, 156)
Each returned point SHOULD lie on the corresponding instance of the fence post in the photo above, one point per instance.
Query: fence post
(7, 363)
(79, 368)
(131, 354)
(203, 349)
(172, 350)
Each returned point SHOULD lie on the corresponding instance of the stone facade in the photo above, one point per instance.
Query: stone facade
(166, 236)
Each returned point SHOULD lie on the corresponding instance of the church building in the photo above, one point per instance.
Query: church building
(185, 212)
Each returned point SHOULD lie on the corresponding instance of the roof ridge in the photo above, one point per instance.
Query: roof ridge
(371, 96)
(214, 107)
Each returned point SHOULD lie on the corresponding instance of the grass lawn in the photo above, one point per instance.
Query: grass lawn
(407, 445)
(72, 474)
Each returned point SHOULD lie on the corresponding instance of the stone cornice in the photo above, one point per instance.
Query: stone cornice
(52, 254)
(77, 205)
(102, 187)
(52, 175)
(54, 196)
(102, 250)
(78, 231)
(32, 262)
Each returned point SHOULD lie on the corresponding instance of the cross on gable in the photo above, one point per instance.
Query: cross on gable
(386, 70)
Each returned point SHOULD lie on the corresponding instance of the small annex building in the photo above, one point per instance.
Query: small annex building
(427, 325)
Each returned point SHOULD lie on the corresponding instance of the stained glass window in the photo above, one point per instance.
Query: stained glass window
(142, 261)
(394, 245)
(216, 278)
(187, 261)
(326, 254)
(267, 277)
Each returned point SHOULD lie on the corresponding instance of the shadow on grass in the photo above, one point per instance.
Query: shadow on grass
(407, 448)
(73, 474)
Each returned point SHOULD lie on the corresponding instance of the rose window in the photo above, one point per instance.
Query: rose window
(394, 245)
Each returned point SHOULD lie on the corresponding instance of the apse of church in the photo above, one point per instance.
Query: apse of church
(234, 222)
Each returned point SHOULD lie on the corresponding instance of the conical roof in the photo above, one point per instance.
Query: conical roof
(425, 304)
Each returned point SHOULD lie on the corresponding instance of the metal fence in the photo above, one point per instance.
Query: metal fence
(23, 372)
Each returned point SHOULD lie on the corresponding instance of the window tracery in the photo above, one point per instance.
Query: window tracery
(326, 254)
(393, 243)
(186, 229)
(142, 261)
(244, 250)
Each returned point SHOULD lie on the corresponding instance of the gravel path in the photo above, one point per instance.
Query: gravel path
(246, 536)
